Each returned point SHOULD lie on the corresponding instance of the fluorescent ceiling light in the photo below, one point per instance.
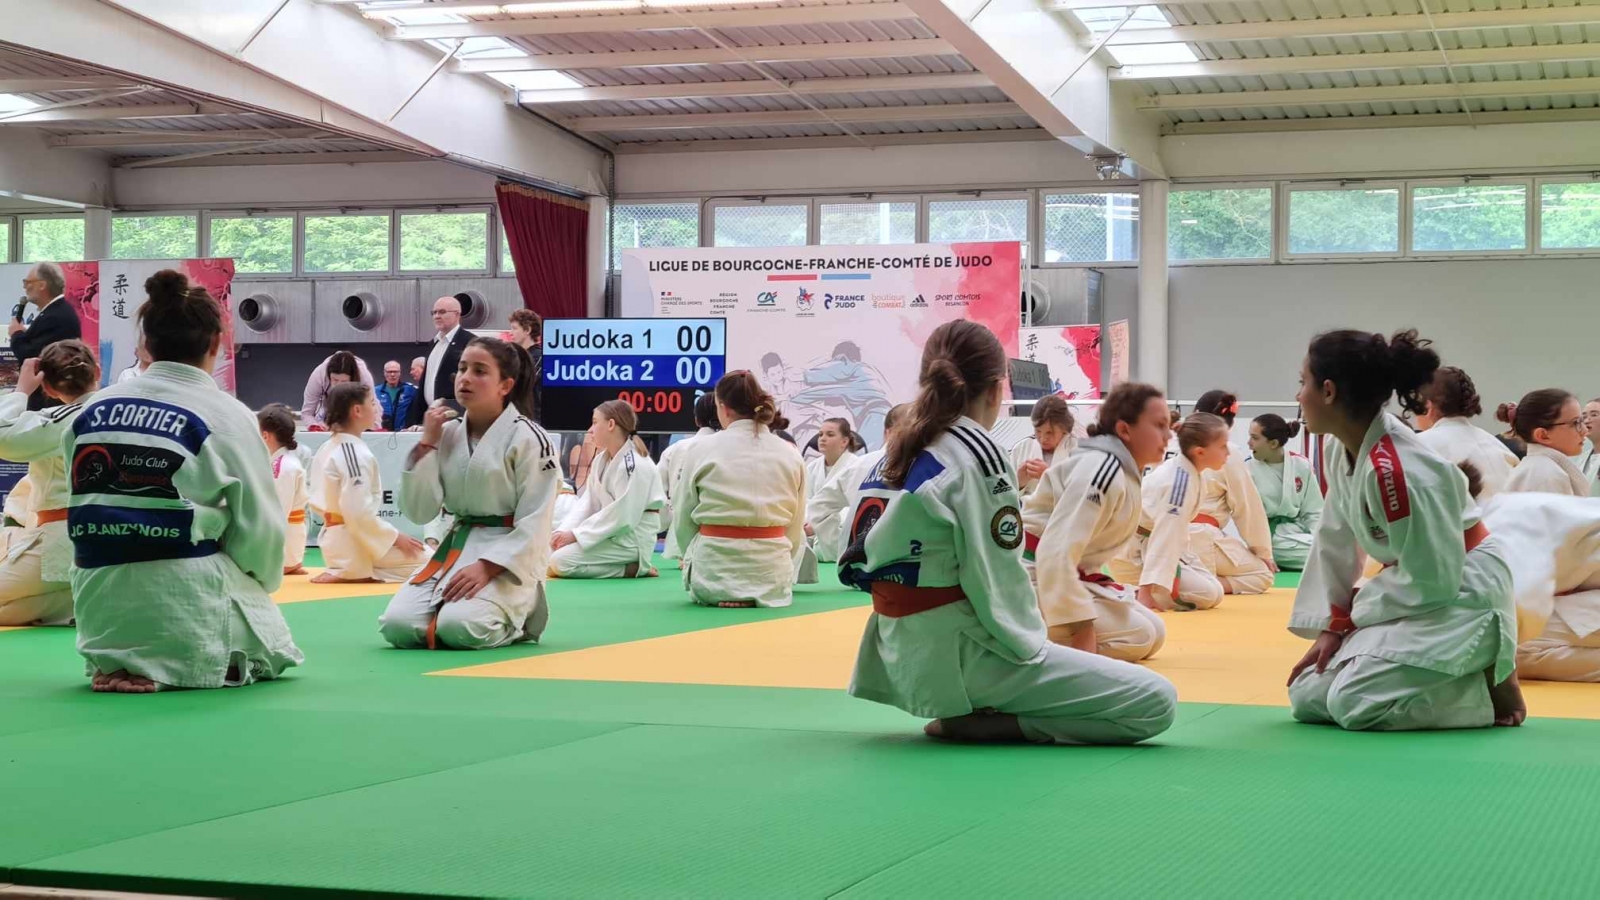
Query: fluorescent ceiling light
(10, 103)
(536, 81)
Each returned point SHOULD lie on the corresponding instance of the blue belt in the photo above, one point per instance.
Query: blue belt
(93, 554)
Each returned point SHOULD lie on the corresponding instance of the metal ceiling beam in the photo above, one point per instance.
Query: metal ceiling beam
(797, 117)
(758, 88)
(811, 143)
(1350, 26)
(254, 157)
(1360, 123)
(670, 21)
(179, 138)
(1342, 62)
(119, 113)
(1377, 94)
(62, 85)
(1068, 5)
(711, 56)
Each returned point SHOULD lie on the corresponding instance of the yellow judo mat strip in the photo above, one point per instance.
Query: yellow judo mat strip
(299, 589)
(1238, 653)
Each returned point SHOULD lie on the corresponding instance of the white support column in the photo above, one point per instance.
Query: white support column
(1151, 341)
(96, 233)
(599, 263)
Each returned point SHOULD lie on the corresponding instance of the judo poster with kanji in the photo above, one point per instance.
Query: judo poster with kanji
(832, 331)
(122, 292)
(1071, 353)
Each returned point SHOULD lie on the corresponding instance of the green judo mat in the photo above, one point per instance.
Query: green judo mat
(358, 775)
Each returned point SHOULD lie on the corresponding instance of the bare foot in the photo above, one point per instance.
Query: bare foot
(652, 573)
(330, 578)
(122, 682)
(297, 570)
(985, 726)
(100, 681)
(1510, 710)
(736, 604)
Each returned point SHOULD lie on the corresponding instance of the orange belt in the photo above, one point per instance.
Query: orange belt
(895, 600)
(332, 519)
(1204, 519)
(1340, 620)
(46, 516)
(297, 517)
(750, 532)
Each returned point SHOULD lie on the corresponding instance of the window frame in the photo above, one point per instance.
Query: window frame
(818, 202)
(24, 218)
(1274, 253)
(199, 228)
(1536, 204)
(1530, 235)
(1098, 187)
(294, 240)
(699, 203)
(491, 248)
(925, 216)
(11, 248)
(708, 223)
(1281, 213)
(301, 245)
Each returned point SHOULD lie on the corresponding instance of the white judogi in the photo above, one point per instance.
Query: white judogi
(510, 474)
(1029, 448)
(1588, 461)
(1552, 545)
(745, 477)
(827, 527)
(1427, 625)
(1084, 509)
(1292, 500)
(615, 520)
(19, 515)
(35, 586)
(955, 523)
(1546, 471)
(290, 479)
(1457, 440)
(838, 498)
(669, 467)
(344, 482)
(177, 534)
(1159, 553)
(1229, 495)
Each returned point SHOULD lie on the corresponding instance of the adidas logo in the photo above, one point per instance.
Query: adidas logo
(1001, 486)
(548, 465)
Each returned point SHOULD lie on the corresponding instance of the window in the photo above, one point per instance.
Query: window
(867, 223)
(637, 225)
(507, 264)
(1223, 223)
(1463, 218)
(5, 240)
(1354, 220)
(1091, 227)
(355, 243)
(756, 226)
(1102, 19)
(52, 240)
(1569, 216)
(257, 244)
(444, 242)
(154, 237)
(978, 220)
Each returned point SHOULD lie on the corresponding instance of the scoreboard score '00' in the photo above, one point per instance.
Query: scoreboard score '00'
(658, 366)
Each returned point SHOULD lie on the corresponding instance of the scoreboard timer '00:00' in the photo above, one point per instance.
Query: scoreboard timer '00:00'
(658, 366)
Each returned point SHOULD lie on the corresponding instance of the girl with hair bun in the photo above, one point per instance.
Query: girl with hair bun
(1552, 424)
(1290, 494)
(492, 474)
(611, 531)
(35, 585)
(739, 507)
(956, 633)
(1451, 401)
(1229, 495)
(1430, 640)
(277, 431)
(177, 533)
(1052, 440)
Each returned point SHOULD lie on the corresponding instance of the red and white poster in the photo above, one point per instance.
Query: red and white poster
(121, 293)
(832, 331)
(1072, 354)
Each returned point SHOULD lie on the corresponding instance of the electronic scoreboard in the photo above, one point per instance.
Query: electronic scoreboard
(658, 366)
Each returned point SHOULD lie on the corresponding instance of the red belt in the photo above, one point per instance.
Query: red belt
(1340, 619)
(897, 601)
(46, 516)
(1204, 519)
(748, 532)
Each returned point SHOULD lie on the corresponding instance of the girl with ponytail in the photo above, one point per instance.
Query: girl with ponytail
(1451, 401)
(1429, 641)
(611, 531)
(739, 505)
(936, 536)
(492, 473)
(1552, 424)
(1243, 564)
(1290, 494)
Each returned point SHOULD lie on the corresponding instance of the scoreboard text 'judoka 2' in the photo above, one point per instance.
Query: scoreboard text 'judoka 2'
(658, 366)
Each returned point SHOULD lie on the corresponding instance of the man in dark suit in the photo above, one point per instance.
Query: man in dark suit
(439, 378)
(45, 287)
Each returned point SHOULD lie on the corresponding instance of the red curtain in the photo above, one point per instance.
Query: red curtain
(549, 239)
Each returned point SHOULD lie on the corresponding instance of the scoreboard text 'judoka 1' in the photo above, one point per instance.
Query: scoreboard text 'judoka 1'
(658, 366)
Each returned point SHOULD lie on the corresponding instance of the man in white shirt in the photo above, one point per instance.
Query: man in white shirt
(439, 379)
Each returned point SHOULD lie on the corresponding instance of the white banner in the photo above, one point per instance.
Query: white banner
(831, 331)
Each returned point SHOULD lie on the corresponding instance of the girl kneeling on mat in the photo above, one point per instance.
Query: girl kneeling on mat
(611, 531)
(740, 504)
(494, 473)
(1289, 490)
